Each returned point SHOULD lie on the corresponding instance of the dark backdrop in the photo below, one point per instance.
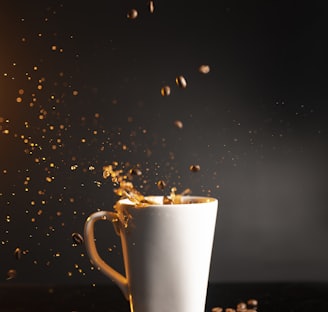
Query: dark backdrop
(80, 88)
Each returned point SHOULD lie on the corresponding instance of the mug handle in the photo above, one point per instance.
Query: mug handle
(91, 248)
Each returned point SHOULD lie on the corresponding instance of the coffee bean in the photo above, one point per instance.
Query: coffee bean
(204, 69)
(151, 6)
(18, 253)
(194, 168)
(241, 306)
(161, 184)
(135, 172)
(181, 81)
(252, 302)
(132, 14)
(178, 124)
(166, 91)
(77, 238)
(217, 309)
(11, 274)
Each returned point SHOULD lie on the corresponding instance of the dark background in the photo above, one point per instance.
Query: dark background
(256, 125)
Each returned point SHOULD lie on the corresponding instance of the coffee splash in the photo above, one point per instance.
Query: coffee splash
(124, 187)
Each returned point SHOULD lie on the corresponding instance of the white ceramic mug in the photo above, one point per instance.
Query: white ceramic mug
(166, 250)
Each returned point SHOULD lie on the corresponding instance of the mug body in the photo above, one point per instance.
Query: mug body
(167, 252)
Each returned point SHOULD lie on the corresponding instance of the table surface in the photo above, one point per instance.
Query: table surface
(278, 297)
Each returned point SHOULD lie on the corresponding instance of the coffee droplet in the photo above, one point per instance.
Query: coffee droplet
(181, 82)
(77, 238)
(194, 168)
(11, 274)
(132, 14)
(166, 91)
(161, 184)
(151, 6)
(204, 69)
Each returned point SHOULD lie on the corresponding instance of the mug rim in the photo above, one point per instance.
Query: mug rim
(157, 200)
